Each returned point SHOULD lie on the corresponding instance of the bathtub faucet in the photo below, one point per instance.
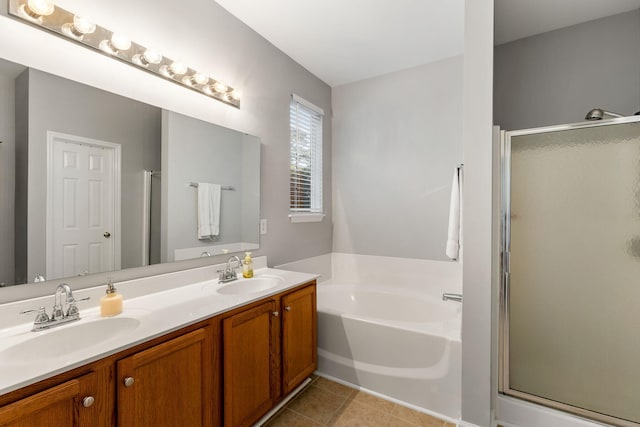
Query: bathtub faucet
(452, 297)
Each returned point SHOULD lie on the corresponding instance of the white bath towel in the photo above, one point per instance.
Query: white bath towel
(208, 211)
(455, 213)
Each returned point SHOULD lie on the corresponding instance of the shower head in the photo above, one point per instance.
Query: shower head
(599, 114)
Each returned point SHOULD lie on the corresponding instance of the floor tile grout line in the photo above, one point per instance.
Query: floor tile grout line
(303, 416)
(404, 421)
(333, 392)
(339, 408)
(344, 400)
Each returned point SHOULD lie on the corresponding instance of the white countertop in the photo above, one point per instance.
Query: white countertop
(155, 307)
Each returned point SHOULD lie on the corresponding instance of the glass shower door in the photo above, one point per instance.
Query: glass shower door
(571, 269)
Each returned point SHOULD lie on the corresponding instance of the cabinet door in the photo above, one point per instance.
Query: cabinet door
(299, 337)
(70, 404)
(250, 364)
(170, 384)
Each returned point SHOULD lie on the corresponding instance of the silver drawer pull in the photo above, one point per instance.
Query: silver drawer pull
(128, 382)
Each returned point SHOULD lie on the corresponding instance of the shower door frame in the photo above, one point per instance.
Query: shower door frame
(505, 245)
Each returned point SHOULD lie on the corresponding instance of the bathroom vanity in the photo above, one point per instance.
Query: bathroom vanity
(228, 367)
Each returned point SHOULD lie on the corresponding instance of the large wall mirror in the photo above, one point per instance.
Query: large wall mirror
(92, 182)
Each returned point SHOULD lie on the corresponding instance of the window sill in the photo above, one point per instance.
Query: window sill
(306, 217)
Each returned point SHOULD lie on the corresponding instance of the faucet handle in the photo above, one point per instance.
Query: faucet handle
(73, 308)
(41, 317)
(57, 313)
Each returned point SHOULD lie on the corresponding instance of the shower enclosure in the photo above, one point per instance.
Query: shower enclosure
(570, 292)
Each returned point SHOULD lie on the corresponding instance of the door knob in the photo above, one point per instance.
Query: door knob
(107, 234)
(128, 382)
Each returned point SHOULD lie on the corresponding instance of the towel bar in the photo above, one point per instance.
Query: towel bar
(226, 187)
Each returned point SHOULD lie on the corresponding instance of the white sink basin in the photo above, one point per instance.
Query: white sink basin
(251, 286)
(68, 339)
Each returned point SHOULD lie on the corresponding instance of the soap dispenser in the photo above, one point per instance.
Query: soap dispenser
(247, 266)
(111, 303)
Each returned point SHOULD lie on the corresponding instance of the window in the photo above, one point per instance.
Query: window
(305, 175)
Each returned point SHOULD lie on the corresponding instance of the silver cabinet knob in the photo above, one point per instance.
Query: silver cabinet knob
(276, 314)
(287, 308)
(128, 382)
(88, 401)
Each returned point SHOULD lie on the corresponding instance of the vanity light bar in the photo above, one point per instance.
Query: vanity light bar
(46, 15)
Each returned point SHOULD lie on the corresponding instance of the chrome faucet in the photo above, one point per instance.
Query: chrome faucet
(452, 297)
(58, 313)
(58, 316)
(229, 273)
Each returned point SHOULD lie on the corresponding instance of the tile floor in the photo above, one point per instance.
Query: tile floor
(327, 403)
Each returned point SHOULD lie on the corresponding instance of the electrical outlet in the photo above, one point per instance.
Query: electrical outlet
(263, 226)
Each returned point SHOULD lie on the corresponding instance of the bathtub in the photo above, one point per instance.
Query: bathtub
(400, 343)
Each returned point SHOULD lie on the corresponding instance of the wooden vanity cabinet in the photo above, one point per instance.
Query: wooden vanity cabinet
(170, 384)
(250, 364)
(71, 403)
(299, 337)
(268, 350)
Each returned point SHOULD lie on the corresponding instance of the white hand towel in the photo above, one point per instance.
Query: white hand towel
(208, 210)
(455, 212)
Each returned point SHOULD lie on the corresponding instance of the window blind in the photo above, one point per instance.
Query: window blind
(305, 176)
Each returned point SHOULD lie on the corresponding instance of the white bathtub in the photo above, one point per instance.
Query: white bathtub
(394, 341)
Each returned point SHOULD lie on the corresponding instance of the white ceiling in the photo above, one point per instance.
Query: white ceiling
(342, 41)
(516, 19)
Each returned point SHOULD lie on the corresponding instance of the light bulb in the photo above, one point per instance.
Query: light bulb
(40, 7)
(188, 80)
(235, 94)
(178, 68)
(120, 42)
(200, 79)
(219, 87)
(196, 79)
(152, 56)
(208, 90)
(34, 10)
(149, 57)
(83, 25)
(116, 44)
(79, 28)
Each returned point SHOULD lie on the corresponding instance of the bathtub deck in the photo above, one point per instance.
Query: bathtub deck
(327, 403)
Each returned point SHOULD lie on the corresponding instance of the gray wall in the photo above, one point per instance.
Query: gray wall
(64, 106)
(198, 151)
(250, 195)
(557, 77)
(226, 48)
(7, 178)
(21, 175)
(477, 221)
(397, 140)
